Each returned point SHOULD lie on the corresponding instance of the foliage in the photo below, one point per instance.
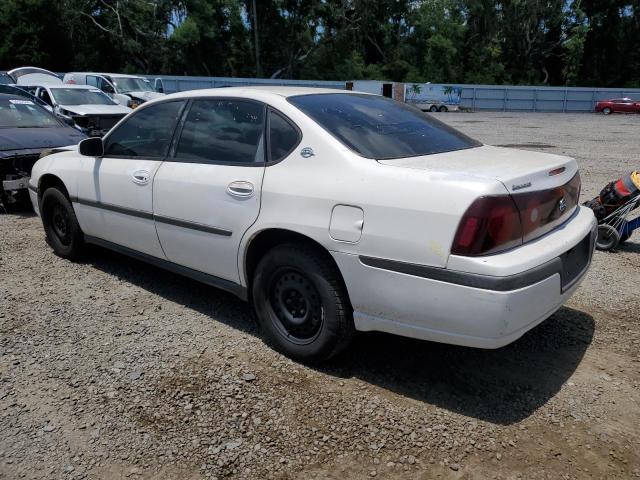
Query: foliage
(555, 42)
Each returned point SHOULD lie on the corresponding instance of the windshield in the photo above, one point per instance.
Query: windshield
(380, 128)
(80, 96)
(125, 84)
(18, 113)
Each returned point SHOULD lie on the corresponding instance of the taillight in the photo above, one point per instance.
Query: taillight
(495, 223)
(489, 225)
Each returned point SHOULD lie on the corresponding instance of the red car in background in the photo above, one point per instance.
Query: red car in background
(624, 105)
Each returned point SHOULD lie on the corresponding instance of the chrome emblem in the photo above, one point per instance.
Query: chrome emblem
(562, 205)
(520, 186)
(307, 152)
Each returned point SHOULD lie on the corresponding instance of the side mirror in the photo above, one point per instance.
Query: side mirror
(91, 147)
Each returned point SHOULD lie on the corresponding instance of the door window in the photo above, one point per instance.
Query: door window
(45, 97)
(222, 131)
(91, 80)
(147, 133)
(283, 137)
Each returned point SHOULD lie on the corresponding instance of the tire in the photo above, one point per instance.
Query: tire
(443, 109)
(608, 238)
(302, 304)
(607, 111)
(433, 108)
(61, 225)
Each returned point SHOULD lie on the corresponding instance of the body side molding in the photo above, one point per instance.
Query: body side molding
(221, 283)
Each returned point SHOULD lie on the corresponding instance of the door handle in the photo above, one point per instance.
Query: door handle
(141, 177)
(240, 189)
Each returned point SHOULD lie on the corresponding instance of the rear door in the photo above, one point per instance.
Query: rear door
(207, 193)
(115, 192)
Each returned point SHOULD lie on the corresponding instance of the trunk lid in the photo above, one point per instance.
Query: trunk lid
(518, 170)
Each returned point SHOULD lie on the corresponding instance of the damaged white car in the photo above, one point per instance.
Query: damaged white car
(129, 90)
(331, 211)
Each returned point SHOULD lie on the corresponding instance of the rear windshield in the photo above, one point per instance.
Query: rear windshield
(380, 128)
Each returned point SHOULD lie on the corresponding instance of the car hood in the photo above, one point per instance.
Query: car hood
(96, 109)
(146, 96)
(518, 170)
(14, 140)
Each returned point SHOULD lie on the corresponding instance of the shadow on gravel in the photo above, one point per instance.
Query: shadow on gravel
(21, 211)
(499, 386)
(630, 246)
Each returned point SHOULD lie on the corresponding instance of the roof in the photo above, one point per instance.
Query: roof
(266, 89)
(120, 75)
(72, 85)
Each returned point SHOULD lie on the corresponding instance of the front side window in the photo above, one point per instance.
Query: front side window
(91, 80)
(380, 128)
(225, 131)
(146, 133)
(44, 96)
(283, 137)
(80, 96)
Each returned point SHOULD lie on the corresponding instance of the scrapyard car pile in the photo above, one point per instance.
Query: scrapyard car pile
(82, 106)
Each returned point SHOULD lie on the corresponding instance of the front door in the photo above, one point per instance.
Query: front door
(207, 193)
(115, 192)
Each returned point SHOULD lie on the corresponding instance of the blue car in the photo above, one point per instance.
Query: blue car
(26, 129)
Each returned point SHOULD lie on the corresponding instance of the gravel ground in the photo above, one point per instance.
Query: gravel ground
(110, 368)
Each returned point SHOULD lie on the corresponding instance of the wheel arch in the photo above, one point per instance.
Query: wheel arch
(263, 241)
(49, 180)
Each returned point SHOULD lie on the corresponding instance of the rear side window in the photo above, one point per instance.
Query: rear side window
(147, 133)
(380, 128)
(222, 131)
(283, 137)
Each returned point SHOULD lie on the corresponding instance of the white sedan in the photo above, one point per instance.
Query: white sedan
(331, 212)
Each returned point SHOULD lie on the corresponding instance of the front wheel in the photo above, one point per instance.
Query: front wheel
(60, 224)
(302, 304)
(433, 108)
(443, 109)
(606, 110)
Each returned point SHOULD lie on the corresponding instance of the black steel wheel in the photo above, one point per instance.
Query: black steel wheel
(296, 305)
(60, 224)
(301, 303)
(608, 237)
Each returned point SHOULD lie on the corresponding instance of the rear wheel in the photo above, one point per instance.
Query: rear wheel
(302, 304)
(443, 108)
(606, 110)
(433, 108)
(60, 224)
(608, 237)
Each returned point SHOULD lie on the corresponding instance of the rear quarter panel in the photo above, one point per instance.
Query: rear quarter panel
(409, 215)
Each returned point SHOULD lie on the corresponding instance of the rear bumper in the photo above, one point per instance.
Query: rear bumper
(459, 308)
